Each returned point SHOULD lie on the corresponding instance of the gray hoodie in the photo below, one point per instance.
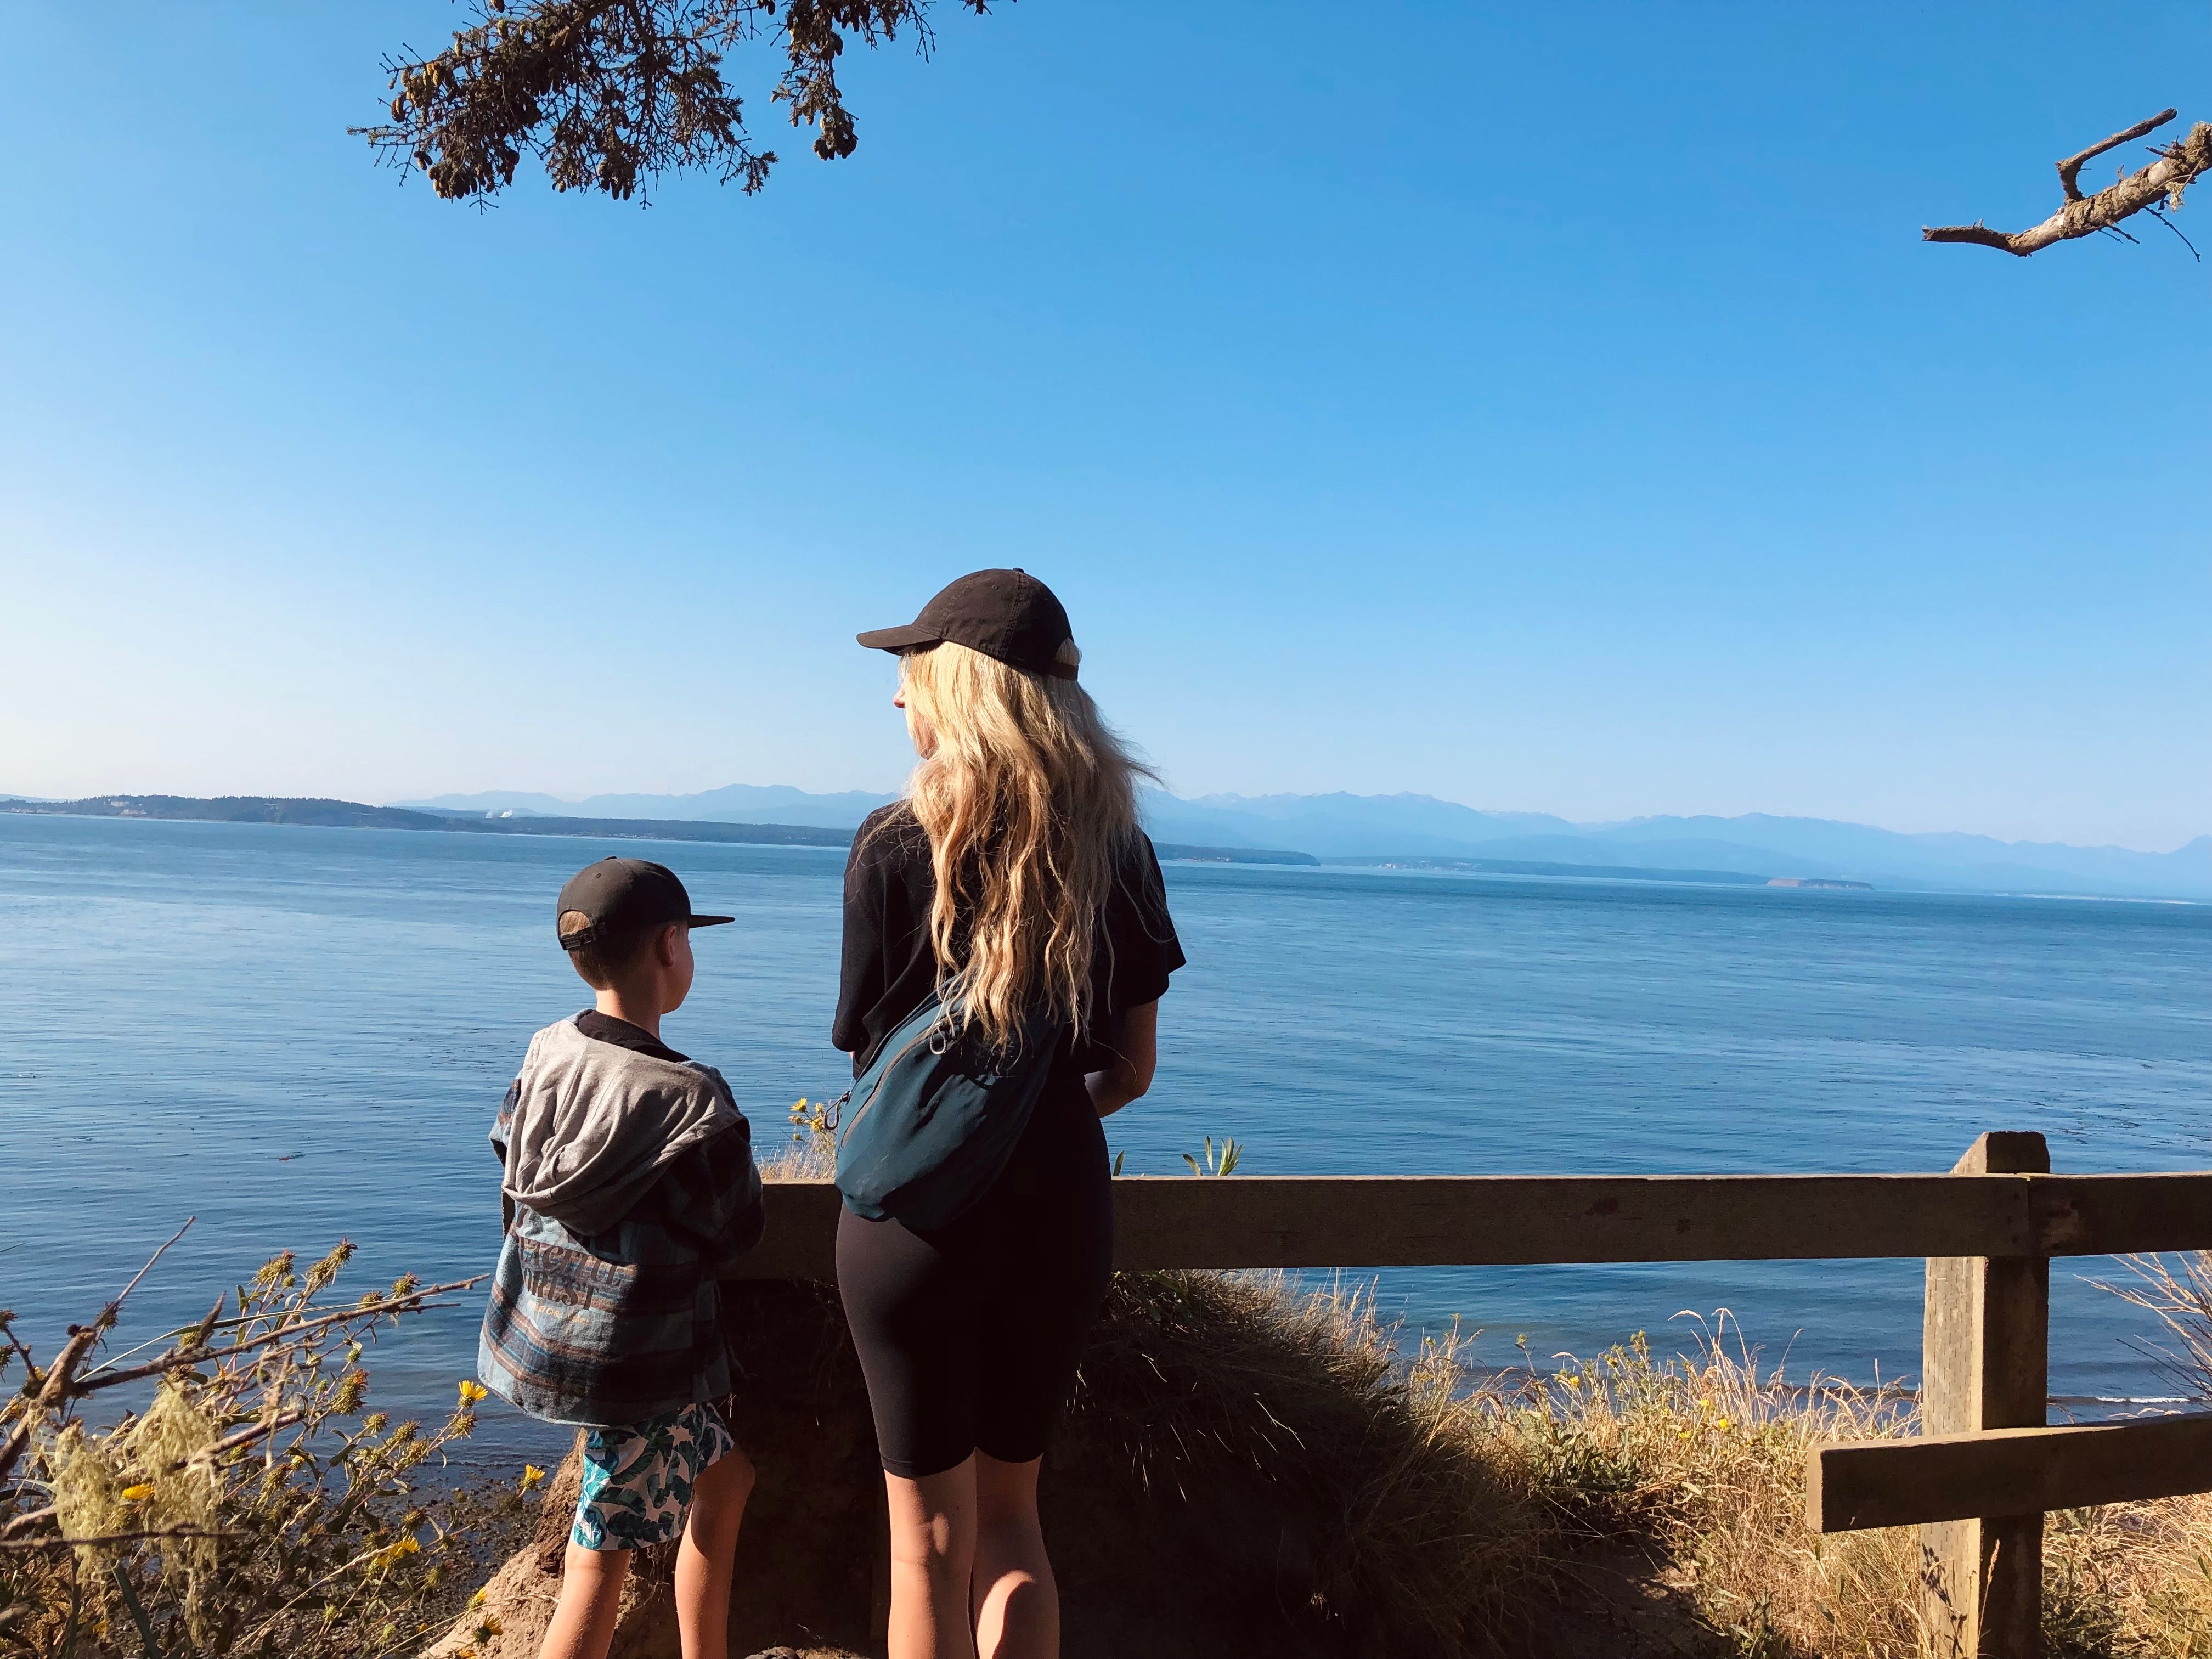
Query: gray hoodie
(595, 1124)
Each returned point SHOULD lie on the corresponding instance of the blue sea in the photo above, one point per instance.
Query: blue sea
(298, 1035)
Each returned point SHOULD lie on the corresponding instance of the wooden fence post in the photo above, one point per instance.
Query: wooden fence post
(1985, 1363)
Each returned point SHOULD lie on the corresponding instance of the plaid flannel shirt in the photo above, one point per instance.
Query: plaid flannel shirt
(625, 1324)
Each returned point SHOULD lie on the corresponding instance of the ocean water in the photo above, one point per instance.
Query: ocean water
(298, 1035)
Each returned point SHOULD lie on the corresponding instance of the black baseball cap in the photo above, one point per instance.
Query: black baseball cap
(621, 895)
(1006, 614)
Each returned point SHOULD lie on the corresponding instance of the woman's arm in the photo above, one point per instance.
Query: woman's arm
(1136, 1055)
(861, 969)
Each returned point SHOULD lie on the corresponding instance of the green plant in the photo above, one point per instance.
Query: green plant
(1218, 1161)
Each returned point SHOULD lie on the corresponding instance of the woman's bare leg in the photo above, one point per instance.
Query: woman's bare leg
(703, 1560)
(583, 1625)
(933, 1559)
(1016, 1602)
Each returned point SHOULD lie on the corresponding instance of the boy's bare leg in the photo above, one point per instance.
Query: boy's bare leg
(704, 1558)
(932, 1560)
(1017, 1603)
(583, 1625)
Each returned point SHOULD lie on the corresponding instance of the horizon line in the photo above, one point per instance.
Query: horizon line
(1224, 796)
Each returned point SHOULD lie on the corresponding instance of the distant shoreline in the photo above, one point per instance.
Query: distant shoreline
(322, 812)
(318, 813)
(1541, 868)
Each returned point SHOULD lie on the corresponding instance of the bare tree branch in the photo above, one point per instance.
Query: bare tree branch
(107, 1538)
(2178, 166)
(52, 1392)
(178, 1358)
(115, 1307)
(2070, 168)
(2176, 229)
(57, 1386)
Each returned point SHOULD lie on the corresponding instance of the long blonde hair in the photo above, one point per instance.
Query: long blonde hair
(1029, 803)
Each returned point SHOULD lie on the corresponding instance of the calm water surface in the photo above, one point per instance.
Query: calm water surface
(301, 1034)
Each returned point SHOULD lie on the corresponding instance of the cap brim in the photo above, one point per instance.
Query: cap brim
(710, 922)
(904, 638)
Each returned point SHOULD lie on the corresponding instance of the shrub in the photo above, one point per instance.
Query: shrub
(251, 1504)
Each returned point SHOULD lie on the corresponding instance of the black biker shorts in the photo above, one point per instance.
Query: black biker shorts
(970, 1334)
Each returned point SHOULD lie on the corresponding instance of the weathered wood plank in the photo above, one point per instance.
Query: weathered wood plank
(1253, 1221)
(2123, 1214)
(1385, 1221)
(1898, 1483)
(1985, 1364)
(1359, 1221)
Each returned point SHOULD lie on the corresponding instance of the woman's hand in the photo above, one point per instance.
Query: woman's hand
(1136, 1056)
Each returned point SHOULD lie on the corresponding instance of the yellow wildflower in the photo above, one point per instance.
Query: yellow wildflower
(139, 1493)
(472, 1391)
(531, 1474)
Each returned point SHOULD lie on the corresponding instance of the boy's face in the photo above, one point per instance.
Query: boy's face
(679, 967)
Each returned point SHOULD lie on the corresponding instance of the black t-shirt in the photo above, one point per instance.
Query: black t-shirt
(605, 1028)
(890, 968)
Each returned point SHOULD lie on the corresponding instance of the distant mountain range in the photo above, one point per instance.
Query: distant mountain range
(740, 803)
(1372, 828)
(320, 813)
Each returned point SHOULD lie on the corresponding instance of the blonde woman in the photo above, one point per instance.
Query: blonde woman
(1015, 862)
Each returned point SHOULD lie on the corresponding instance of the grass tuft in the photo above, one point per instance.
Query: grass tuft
(1628, 1503)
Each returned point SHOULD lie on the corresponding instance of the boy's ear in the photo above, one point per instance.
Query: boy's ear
(664, 948)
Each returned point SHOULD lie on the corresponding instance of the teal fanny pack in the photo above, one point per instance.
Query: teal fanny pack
(933, 1118)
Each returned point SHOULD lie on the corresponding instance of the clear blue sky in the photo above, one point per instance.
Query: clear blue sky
(1544, 407)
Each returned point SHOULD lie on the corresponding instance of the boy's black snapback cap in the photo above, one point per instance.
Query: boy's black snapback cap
(621, 895)
(1006, 614)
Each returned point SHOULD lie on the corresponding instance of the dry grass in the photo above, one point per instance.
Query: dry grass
(1228, 1394)
(1658, 1502)
(1700, 1459)
(811, 1154)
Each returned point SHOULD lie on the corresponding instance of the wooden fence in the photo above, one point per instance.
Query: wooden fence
(1978, 1483)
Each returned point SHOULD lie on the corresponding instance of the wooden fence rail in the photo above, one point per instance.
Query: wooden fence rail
(1431, 1221)
(1978, 1483)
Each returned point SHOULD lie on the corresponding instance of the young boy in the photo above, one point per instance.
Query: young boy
(629, 1187)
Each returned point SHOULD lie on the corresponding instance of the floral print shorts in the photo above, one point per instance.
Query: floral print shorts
(638, 1478)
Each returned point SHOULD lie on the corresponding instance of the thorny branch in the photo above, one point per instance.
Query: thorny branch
(2178, 166)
